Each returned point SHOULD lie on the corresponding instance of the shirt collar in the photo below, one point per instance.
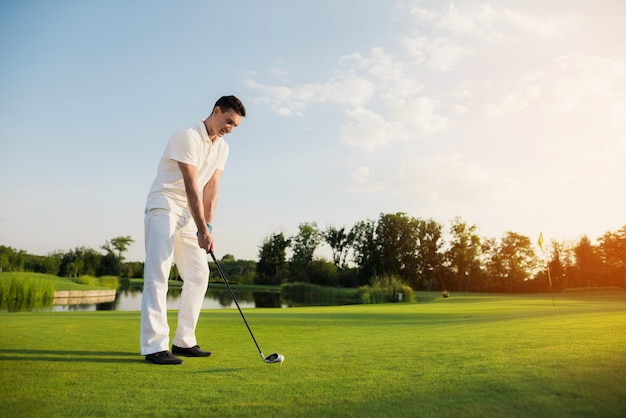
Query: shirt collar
(203, 132)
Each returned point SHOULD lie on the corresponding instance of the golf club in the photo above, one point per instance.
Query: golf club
(272, 358)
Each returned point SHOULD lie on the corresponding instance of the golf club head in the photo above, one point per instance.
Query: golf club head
(275, 358)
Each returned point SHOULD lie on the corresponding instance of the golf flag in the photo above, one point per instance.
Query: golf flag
(540, 244)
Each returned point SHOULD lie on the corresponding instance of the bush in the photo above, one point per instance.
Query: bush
(384, 289)
(20, 293)
(110, 282)
(86, 280)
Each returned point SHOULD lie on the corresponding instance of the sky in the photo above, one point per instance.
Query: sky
(510, 115)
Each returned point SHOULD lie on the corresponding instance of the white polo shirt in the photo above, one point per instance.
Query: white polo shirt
(190, 146)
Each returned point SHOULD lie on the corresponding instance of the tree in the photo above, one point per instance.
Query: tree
(612, 250)
(238, 271)
(272, 257)
(11, 259)
(429, 251)
(80, 261)
(520, 261)
(588, 264)
(52, 262)
(339, 241)
(132, 269)
(365, 250)
(396, 239)
(304, 244)
(114, 257)
(559, 265)
(463, 256)
(512, 262)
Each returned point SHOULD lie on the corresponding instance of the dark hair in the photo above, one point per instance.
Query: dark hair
(231, 103)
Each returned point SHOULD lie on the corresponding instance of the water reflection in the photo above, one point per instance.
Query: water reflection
(130, 300)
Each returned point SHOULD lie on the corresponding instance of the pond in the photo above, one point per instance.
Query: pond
(130, 300)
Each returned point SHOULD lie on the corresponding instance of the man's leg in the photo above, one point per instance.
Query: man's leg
(159, 232)
(193, 267)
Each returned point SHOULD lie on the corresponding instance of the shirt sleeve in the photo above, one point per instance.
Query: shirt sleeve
(223, 156)
(184, 147)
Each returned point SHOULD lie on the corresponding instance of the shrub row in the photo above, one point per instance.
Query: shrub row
(17, 293)
(385, 289)
(306, 294)
(110, 282)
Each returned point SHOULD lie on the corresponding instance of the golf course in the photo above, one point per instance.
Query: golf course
(469, 355)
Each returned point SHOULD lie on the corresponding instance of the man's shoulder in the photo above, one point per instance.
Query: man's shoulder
(188, 130)
(187, 134)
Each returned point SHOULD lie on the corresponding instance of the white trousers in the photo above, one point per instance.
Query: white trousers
(171, 238)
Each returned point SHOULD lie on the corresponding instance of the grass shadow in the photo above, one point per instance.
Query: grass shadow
(215, 371)
(69, 356)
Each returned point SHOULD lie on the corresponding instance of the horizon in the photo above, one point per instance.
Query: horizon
(324, 251)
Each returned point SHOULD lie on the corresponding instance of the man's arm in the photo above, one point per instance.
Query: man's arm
(196, 206)
(211, 191)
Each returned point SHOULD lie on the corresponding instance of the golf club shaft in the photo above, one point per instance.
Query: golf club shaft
(221, 272)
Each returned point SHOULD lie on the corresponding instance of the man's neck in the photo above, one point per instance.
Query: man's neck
(212, 136)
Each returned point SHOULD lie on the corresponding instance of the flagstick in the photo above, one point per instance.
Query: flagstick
(550, 280)
(543, 252)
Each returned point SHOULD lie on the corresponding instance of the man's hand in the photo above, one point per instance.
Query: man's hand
(205, 238)
(205, 241)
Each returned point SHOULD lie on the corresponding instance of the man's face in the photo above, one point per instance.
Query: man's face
(226, 121)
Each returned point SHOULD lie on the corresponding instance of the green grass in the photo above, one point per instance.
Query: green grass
(465, 356)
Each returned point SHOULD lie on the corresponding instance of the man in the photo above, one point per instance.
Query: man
(178, 218)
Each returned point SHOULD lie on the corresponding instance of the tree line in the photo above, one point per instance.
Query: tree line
(427, 256)
(420, 252)
(79, 261)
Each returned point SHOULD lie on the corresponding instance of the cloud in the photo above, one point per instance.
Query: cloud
(368, 130)
(573, 83)
(279, 98)
(556, 28)
(422, 14)
(473, 20)
(439, 54)
(380, 95)
(448, 184)
(579, 78)
(279, 72)
(453, 180)
(420, 115)
(360, 175)
(528, 90)
(391, 77)
(492, 24)
(347, 90)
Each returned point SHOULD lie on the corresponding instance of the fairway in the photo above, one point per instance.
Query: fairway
(466, 356)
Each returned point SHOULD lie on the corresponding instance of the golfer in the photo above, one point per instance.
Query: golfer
(179, 213)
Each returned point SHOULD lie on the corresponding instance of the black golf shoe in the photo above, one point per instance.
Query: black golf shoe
(191, 352)
(163, 357)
